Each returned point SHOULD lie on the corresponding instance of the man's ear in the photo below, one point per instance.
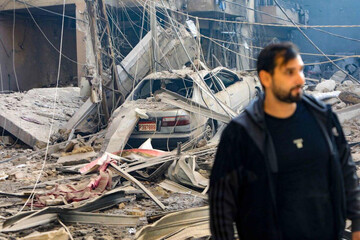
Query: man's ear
(265, 78)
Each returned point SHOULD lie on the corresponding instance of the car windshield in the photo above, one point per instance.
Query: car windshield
(148, 88)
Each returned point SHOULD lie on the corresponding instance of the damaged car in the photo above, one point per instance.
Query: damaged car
(167, 125)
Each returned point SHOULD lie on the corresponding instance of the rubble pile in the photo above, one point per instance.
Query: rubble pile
(71, 185)
(97, 186)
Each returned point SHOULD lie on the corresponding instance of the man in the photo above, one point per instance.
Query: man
(283, 169)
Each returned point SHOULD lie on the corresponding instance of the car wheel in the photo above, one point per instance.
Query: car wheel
(210, 130)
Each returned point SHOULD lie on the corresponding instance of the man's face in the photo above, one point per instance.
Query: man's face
(288, 80)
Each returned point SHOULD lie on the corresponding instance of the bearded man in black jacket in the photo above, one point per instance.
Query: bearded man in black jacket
(283, 169)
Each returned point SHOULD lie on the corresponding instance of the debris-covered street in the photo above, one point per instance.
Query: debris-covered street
(111, 112)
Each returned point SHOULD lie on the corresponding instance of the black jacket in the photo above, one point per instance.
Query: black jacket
(242, 183)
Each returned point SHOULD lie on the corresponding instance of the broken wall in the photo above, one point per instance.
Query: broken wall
(330, 13)
(36, 61)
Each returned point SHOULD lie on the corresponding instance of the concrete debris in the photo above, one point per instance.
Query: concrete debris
(349, 97)
(3, 176)
(6, 140)
(75, 159)
(59, 234)
(19, 113)
(338, 76)
(326, 95)
(326, 86)
(121, 126)
(332, 101)
(348, 113)
(133, 160)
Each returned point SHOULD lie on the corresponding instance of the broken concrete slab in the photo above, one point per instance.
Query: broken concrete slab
(326, 86)
(120, 128)
(326, 95)
(349, 97)
(338, 76)
(75, 159)
(348, 113)
(28, 115)
(80, 116)
(332, 101)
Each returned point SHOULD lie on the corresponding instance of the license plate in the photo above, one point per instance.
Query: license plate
(147, 127)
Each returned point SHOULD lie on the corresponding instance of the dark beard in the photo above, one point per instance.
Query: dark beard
(287, 96)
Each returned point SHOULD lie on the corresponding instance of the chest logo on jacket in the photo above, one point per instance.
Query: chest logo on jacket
(299, 143)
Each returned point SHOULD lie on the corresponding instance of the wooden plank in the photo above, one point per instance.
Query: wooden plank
(139, 184)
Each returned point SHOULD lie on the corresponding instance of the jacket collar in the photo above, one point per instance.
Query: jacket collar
(257, 114)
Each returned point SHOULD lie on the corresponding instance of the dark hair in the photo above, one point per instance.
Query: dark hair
(268, 56)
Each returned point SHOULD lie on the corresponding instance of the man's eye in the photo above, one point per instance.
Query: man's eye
(289, 72)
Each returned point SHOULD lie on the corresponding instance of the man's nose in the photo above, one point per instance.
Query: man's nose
(300, 78)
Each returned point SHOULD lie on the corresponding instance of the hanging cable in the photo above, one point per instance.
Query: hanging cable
(312, 43)
(32, 195)
(284, 19)
(14, 50)
(263, 24)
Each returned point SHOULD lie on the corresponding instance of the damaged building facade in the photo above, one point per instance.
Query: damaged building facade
(111, 110)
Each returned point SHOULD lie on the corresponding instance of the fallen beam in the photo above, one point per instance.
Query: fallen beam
(139, 184)
(80, 115)
(120, 129)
